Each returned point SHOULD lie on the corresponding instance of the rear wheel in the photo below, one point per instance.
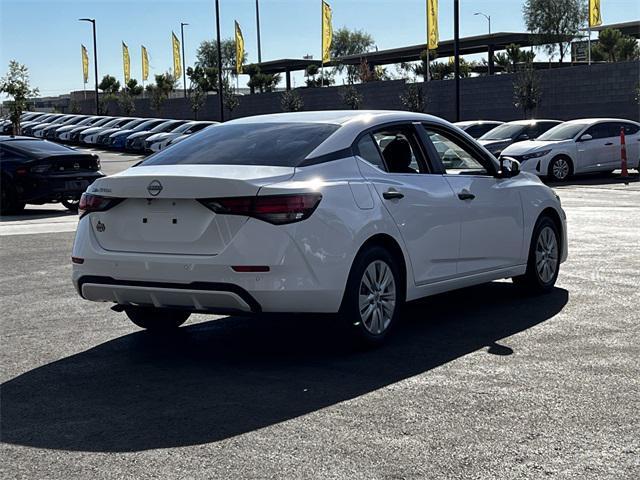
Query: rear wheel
(544, 258)
(71, 204)
(373, 297)
(156, 319)
(9, 203)
(560, 168)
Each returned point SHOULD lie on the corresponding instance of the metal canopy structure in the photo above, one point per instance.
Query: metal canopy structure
(468, 45)
(627, 28)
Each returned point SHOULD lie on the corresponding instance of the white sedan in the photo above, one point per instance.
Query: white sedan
(157, 142)
(349, 212)
(578, 146)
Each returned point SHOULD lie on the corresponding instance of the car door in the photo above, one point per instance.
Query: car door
(632, 143)
(599, 151)
(419, 199)
(489, 208)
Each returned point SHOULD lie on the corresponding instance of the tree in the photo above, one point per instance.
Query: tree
(291, 101)
(165, 84)
(201, 81)
(513, 56)
(555, 22)
(16, 84)
(127, 95)
(207, 57)
(413, 98)
(109, 85)
(317, 78)
(526, 89)
(231, 101)
(350, 42)
(133, 88)
(264, 82)
(613, 46)
(351, 97)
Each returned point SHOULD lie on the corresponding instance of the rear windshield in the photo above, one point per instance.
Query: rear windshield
(274, 144)
(38, 146)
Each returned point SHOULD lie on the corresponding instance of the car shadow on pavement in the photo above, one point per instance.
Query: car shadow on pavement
(596, 179)
(37, 214)
(221, 378)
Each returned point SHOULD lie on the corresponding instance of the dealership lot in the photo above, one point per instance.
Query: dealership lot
(479, 383)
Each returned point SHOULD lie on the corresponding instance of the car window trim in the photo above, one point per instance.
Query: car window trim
(356, 151)
(477, 154)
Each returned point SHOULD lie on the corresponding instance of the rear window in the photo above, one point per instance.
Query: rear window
(274, 144)
(38, 146)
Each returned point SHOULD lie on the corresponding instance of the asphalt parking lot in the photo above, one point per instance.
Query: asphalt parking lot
(479, 383)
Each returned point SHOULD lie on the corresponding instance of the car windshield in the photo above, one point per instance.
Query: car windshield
(504, 132)
(165, 126)
(38, 146)
(182, 128)
(274, 144)
(564, 131)
(102, 122)
(145, 125)
(132, 124)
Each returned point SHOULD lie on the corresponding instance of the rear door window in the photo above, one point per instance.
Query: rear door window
(274, 144)
(368, 149)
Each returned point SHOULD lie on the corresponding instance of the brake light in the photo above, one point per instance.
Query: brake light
(21, 171)
(275, 209)
(95, 203)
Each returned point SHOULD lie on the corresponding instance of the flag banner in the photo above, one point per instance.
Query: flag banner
(432, 24)
(327, 32)
(177, 65)
(85, 64)
(239, 49)
(595, 15)
(126, 63)
(145, 64)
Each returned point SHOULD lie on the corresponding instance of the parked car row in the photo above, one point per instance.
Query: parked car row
(140, 135)
(558, 150)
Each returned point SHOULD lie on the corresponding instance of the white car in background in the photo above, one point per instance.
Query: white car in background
(158, 141)
(349, 212)
(578, 146)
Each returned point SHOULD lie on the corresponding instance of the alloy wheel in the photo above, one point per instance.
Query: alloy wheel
(546, 255)
(560, 169)
(377, 297)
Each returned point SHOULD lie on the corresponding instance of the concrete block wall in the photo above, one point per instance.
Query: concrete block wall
(599, 90)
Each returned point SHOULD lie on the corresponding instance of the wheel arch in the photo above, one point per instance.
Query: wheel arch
(553, 214)
(565, 155)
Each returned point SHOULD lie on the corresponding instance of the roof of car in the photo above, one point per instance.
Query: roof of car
(533, 120)
(339, 117)
(597, 120)
(478, 122)
(10, 138)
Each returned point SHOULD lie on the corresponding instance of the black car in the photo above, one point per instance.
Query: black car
(502, 136)
(37, 171)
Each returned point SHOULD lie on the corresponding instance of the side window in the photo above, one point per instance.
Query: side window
(368, 150)
(196, 128)
(533, 131)
(456, 158)
(599, 130)
(629, 128)
(400, 149)
(544, 126)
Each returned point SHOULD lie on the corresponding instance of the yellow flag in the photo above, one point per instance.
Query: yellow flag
(239, 49)
(126, 62)
(177, 65)
(595, 15)
(432, 24)
(145, 64)
(327, 32)
(85, 64)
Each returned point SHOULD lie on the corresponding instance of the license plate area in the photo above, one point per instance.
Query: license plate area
(76, 185)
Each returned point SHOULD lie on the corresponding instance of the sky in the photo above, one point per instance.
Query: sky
(46, 35)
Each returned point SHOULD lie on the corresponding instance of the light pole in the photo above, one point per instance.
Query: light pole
(95, 58)
(258, 30)
(220, 86)
(490, 45)
(184, 62)
(456, 53)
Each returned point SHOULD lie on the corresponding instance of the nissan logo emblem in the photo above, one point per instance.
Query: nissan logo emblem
(154, 188)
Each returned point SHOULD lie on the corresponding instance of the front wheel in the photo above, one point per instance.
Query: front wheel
(543, 264)
(373, 297)
(560, 169)
(156, 319)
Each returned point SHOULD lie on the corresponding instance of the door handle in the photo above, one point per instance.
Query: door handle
(392, 194)
(608, 143)
(466, 195)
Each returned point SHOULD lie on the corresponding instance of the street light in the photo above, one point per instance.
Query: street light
(490, 46)
(456, 53)
(258, 29)
(220, 88)
(184, 62)
(95, 58)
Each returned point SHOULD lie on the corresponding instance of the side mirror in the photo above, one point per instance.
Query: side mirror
(586, 137)
(523, 136)
(509, 167)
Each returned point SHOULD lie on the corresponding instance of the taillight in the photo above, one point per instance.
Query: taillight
(95, 203)
(275, 209)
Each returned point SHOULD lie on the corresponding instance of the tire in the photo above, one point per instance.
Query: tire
(9, 204)
(543, 263)
(560, 168)
(375, 274)
(71, 205)
(156, 319)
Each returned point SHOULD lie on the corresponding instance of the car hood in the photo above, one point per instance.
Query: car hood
(528, 146)
(157, 137)
(118, 133)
